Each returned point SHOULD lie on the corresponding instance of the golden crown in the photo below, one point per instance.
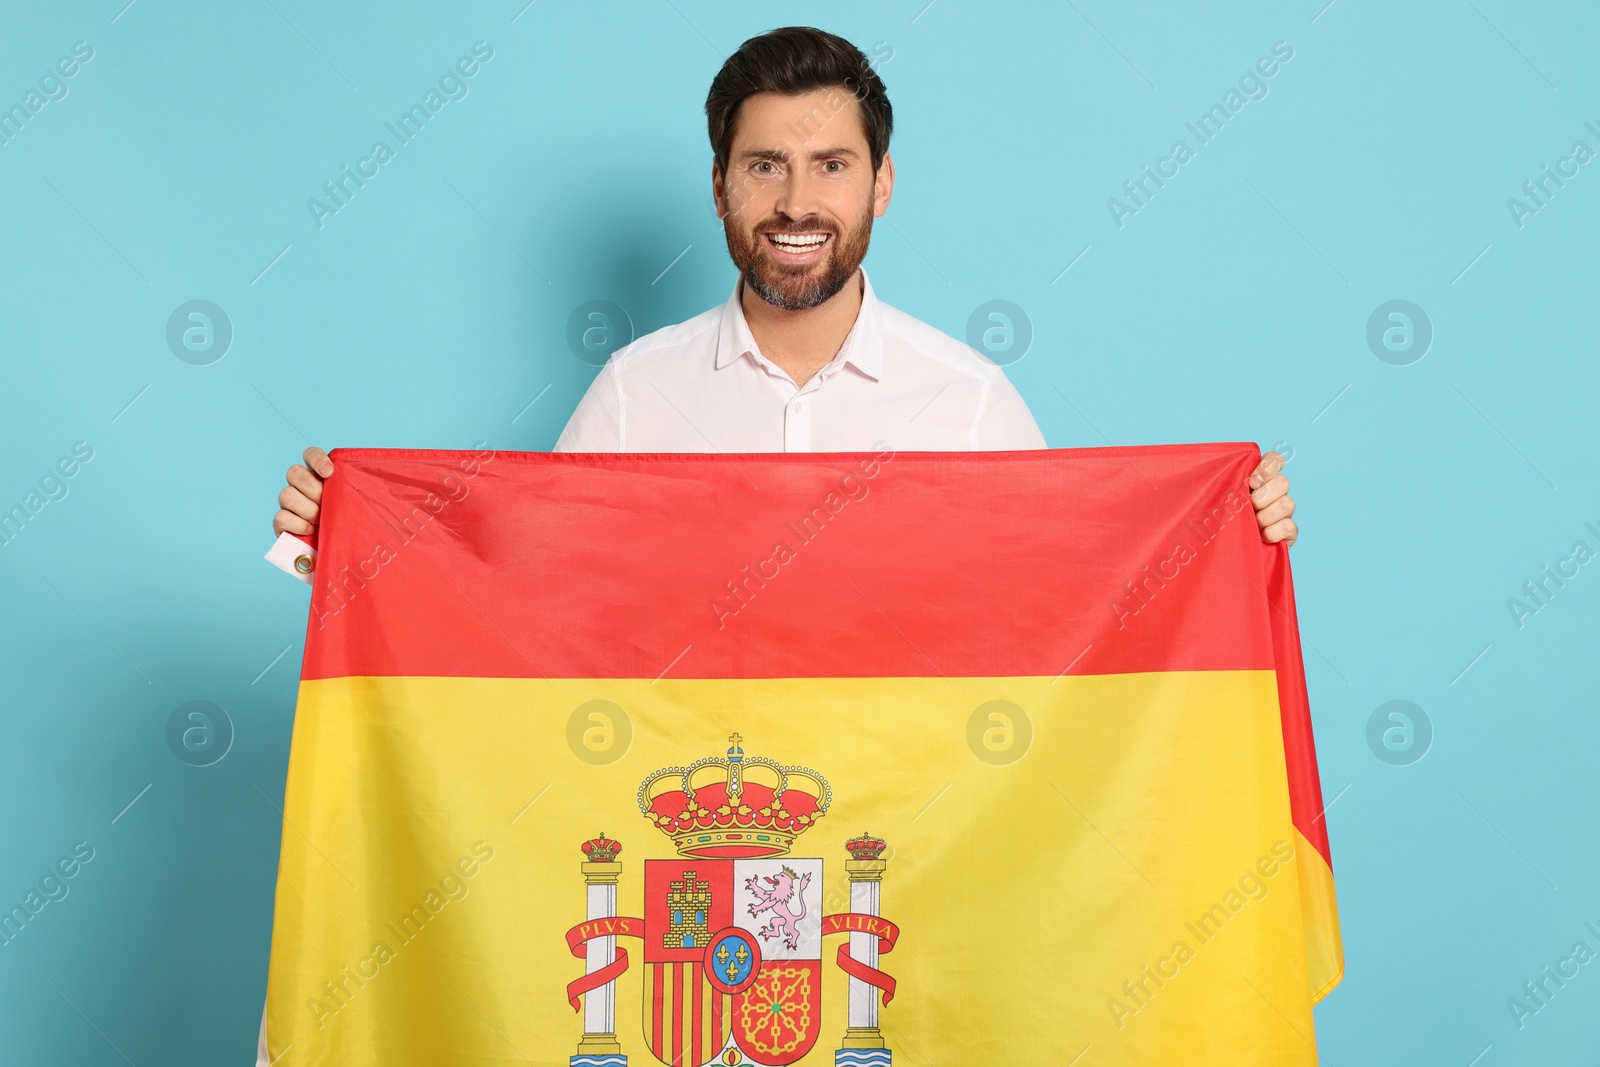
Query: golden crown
(734, 806)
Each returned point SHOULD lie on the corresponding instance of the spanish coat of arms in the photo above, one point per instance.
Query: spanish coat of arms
(733, 927)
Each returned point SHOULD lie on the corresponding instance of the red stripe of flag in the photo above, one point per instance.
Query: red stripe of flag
(998, 564)
(1299, 750)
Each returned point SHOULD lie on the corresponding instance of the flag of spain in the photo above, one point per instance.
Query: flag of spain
(800, 759)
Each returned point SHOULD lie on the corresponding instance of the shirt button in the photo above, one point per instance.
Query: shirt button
(798, 407)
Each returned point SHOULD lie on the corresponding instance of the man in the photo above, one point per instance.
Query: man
(803, 356)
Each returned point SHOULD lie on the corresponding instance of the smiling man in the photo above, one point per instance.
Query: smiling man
(802, 356)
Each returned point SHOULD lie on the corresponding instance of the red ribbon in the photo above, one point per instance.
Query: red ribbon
(578, 936)
(887, 933)
(848, 922)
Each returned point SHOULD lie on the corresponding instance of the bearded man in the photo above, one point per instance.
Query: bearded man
(803, 356)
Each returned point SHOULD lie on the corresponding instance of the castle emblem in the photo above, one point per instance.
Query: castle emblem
(733, 928)
(688, 902)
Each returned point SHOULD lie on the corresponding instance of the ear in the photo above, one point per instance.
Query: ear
(883, 186)
(718, 189)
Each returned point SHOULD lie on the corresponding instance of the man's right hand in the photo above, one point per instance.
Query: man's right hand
(300, 501)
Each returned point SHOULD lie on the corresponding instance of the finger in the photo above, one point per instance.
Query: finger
(1271, 463)
(318, 461)
(1277, 486)
(1283, 530)
(1279, 509)
(306, 482)
(289, 522)
(292, 499)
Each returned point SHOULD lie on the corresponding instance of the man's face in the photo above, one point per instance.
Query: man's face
(800, 195)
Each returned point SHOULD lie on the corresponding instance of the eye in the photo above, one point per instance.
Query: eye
(764, 163)
(834, 163)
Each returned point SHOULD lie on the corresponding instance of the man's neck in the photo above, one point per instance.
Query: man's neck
(802, 342)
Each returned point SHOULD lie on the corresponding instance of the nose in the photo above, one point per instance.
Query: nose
(800, 194)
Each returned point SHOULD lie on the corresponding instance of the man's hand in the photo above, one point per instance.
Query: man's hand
(1269, 492)
(300, 500)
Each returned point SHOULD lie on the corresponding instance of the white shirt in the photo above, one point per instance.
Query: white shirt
(704, 386)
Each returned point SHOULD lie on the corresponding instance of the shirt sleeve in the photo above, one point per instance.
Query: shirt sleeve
(1003, 422)
(597, 423)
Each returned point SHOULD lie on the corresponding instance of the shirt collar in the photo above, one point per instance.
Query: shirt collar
(862, 348)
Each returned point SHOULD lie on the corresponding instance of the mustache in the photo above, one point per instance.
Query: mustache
(818, 227)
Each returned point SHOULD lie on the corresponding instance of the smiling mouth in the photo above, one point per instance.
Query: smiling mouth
(798, 245)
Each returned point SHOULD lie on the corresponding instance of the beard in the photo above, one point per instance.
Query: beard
(792, 287)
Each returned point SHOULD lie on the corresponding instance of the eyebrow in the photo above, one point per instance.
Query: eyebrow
(783, 157)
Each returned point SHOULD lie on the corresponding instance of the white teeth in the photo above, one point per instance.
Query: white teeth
(797, 242)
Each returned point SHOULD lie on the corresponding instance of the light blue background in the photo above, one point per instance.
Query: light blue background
(432, 309)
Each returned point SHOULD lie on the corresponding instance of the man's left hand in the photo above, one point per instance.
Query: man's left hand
(1269, 492)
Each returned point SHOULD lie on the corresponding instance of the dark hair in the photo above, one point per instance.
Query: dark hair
(792, 61)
